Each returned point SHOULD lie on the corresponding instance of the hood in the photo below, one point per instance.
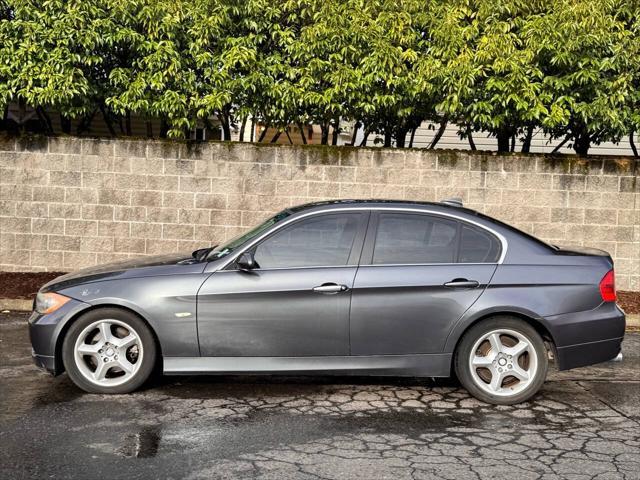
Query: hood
(135, 267)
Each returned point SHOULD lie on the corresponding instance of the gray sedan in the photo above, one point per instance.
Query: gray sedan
(340, 287)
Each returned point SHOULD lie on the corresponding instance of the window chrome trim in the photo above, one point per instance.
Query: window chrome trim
(310, 267)
(503, 240)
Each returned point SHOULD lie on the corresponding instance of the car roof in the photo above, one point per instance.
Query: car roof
(380, 203)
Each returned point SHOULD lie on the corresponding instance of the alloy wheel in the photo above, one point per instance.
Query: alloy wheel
(503, 362)
(108, 352)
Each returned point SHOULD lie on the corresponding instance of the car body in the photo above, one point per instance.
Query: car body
(349, 287)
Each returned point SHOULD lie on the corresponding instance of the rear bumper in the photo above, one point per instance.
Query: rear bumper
(586, 338)
(574, 356)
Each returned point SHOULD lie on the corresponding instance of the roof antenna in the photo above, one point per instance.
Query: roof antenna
(453, 201)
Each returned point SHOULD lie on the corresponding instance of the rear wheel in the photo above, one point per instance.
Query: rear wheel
(109, 350)
(501, 360)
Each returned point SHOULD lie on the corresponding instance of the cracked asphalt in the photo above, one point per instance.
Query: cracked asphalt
(584, 424)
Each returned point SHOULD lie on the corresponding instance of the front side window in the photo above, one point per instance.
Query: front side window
(231, 245)
(315, 242)
(414, 239)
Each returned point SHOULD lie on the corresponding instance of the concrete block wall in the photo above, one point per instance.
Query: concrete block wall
(68, 203)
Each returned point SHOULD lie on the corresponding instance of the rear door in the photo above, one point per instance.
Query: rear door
(419, 273)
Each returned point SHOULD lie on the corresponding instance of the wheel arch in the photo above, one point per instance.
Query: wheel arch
(59, 363)
(535, 322)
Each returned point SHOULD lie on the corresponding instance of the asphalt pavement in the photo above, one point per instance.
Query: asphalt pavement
(585, 423)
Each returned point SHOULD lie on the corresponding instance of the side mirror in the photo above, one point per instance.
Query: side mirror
(246, 262)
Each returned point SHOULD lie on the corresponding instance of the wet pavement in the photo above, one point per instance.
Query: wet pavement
(584, 424)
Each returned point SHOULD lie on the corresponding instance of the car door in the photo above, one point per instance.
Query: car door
(419, 274)
(296, 302)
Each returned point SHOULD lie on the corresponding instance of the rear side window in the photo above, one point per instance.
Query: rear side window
(478, 246)
(407, 238)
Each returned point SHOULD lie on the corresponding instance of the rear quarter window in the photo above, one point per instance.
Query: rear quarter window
(478, 246)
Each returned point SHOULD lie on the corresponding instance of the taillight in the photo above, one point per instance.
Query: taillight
(608, 287)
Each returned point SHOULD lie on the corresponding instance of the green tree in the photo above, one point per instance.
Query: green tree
(588, 53)
(57, 55)
(482, 60)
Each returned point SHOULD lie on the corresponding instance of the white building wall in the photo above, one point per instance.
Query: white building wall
(539, 142)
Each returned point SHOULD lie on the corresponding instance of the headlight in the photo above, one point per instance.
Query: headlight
(49, 302)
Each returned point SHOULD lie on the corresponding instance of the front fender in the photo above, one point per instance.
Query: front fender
(167, 303)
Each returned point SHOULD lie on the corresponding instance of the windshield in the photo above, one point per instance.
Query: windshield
(228, 247)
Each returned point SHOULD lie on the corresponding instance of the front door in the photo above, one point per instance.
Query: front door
(419, 274)
(295, 302)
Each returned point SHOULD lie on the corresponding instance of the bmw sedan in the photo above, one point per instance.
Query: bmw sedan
(341, 287)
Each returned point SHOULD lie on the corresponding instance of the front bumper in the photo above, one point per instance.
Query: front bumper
(44, 362)
(587, 338)
(45, 332)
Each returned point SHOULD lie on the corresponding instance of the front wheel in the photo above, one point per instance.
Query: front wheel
(501, 360)
(109, 350)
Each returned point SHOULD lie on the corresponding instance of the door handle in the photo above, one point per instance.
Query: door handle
(461, 283)
(330, 288)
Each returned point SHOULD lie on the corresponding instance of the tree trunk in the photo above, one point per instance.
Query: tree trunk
(387, 138)
(561, 144)
(504, 140)
(243, 126)
(582, 142)
(439, 133)
(253, 129)
(472, 144)
(127, 123)
(164, 128)
(633, 144)
(45, 120)
(65, 124)
(226, 128)
(149, 129)
(324, 139)
(513, 143)
(401, 137)
(22, 110)
(4, 125)
(276, 136)
(356, 127)
(302, 135)
(413, 136)
(336, 132)
(526, 144)
(85, 122)
(107, 121)
(289, 136)
(263, 133)
(365, 137)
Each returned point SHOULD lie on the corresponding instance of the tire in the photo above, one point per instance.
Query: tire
(109, 350)
(501, 360)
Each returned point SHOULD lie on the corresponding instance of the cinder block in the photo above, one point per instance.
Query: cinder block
(179, 232)
(63, 243)
(47, 225)
(96, 244)
(178, 200)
